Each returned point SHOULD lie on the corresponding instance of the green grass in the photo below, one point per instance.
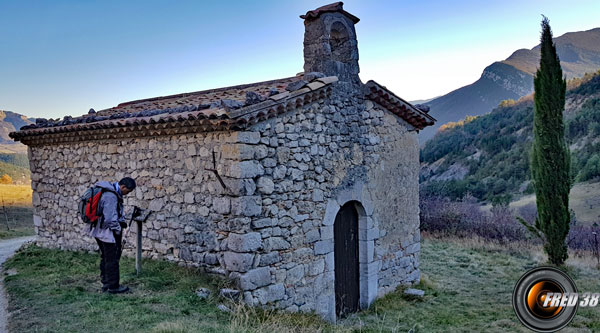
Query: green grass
(468, 287)
(56, 291)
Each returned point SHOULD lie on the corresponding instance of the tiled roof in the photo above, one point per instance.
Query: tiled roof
(414, 116)
(231, 108)
(330, 8)
(209, 97)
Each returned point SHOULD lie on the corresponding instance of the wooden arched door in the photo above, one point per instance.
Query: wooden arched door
(345, 232)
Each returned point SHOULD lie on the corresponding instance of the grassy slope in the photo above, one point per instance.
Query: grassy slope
(15, 164)
(18, 174)
(17, 200)
(583, 199)
(16, 195)
(13, 148)
(56, 291)
(468, 288)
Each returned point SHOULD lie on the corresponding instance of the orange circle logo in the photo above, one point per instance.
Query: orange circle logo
(537, 296)
(542, 299)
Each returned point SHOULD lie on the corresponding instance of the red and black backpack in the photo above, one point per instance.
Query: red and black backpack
(88, 204)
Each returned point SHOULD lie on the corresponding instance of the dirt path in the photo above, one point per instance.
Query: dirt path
(7, 249)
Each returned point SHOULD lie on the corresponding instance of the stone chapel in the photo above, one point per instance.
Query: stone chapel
(302, 190)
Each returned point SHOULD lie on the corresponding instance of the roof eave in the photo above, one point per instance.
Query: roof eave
(188, 122)
(398, 106)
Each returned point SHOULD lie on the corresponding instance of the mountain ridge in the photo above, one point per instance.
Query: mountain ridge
(512, 78)
(9, 122)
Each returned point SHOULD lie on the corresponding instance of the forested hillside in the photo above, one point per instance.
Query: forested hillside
(488, 156)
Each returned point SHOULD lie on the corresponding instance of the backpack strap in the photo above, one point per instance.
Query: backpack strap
(89, 204)
(98, 210)
(90, 200)
(119, 204)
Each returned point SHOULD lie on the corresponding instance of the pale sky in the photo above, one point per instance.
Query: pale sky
(61, 58)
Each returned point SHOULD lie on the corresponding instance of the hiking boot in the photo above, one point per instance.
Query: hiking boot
(104, 289)
(119, 290)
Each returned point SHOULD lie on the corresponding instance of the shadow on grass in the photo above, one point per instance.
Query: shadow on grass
(468, 287)
(58, 291)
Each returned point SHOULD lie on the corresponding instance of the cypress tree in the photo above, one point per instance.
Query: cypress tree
(550, 163)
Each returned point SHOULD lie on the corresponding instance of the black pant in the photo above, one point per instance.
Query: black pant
(110, 254)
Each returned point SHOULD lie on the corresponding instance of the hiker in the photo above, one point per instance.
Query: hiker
(108, 231)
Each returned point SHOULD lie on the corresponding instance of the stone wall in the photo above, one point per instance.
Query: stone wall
(189, 204)
(345, 149)
(271, 228)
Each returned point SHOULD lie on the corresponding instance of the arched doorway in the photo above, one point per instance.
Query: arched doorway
(345, 231)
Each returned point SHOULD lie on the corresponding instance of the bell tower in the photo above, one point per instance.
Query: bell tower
(330, 44)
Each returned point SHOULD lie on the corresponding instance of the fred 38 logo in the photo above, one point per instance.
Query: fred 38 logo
(545, 299)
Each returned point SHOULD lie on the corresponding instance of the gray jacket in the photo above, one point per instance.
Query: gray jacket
(109, 222)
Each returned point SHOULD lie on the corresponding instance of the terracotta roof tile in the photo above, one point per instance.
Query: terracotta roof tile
(328, 79)
(228, 108)
(280, 96)
(205, 97)
(315, 85)
(213, 103)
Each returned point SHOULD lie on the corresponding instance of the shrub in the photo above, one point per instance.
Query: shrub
(5, 179)
(466, 219)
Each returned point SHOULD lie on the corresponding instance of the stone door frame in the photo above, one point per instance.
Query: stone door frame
(368, 233)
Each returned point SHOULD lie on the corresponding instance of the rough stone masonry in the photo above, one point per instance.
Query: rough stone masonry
(247, 181)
